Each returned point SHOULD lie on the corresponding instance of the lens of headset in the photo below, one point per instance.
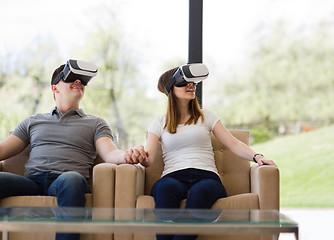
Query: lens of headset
(74, 77)
(183, 84)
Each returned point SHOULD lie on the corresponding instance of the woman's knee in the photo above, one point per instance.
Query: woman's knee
(166, 185)
(168, 192)
(209, 187)
(205, 193)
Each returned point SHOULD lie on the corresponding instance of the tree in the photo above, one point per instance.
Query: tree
(117, 92)
(25, 81)
(289, 79)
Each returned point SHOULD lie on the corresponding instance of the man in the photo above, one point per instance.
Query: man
(64, 144)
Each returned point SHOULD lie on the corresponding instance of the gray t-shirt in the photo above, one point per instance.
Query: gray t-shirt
(61, 143)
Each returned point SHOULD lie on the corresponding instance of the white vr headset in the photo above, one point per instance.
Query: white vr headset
(75, 69)
(193, 72)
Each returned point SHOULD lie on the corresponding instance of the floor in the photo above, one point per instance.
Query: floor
(314, 223)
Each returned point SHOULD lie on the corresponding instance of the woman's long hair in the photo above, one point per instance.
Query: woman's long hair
(173, 116)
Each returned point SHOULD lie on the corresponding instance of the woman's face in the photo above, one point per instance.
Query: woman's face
(187, 92)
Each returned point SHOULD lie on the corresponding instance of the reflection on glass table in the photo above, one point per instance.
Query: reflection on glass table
(177, 221)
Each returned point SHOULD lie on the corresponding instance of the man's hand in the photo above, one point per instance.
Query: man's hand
(135, 155)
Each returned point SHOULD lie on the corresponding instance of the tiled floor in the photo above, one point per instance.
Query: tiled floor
(314, 223)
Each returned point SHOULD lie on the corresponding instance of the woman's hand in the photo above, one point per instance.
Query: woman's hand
(263, 161)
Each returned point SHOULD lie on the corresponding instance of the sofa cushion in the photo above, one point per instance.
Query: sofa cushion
(145, 201)
(241, 201)
(31, 201)
(37, 201)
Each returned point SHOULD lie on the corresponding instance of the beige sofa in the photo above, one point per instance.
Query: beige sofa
(248, 186)
(101, 183)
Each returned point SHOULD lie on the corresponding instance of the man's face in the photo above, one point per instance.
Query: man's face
(73, 91)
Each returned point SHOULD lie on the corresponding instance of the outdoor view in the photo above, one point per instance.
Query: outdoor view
(271, 66)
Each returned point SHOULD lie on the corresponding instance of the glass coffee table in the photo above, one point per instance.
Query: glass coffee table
(162, 221)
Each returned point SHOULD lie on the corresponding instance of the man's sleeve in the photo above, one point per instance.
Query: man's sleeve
(22, 131)
(102, 130)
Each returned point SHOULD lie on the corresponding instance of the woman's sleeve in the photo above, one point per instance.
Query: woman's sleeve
(156, 127)
(210, 118)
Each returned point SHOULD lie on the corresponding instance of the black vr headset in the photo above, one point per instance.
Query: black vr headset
(193, 72)
(75, 69)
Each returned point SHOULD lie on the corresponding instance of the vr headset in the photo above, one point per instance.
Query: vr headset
(75, 69)
(193, 72)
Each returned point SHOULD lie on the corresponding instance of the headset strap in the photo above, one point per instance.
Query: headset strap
(60, 77)
(170, 85)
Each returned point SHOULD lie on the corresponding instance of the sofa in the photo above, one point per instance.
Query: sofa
(101, 183)
(248, 185)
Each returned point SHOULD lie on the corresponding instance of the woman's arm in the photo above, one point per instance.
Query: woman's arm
(237, 147)
(152, 143)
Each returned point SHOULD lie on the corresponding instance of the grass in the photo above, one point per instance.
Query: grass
(306, 163)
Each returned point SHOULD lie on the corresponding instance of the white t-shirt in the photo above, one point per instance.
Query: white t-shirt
(189, 147)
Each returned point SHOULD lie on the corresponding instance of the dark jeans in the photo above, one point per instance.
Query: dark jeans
(69, 188)
(201, 189)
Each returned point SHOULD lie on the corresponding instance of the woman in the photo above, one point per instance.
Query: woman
(185, 136)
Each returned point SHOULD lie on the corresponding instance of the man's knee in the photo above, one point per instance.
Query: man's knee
(15, 185)
(72, 176)
(72, 180)
(70, 189)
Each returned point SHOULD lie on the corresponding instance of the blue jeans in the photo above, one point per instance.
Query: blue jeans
(201, 189)
(69, 188)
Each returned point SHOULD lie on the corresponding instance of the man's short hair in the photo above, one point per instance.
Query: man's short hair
(56, 73)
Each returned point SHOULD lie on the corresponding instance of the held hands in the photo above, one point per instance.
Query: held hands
(135, 155)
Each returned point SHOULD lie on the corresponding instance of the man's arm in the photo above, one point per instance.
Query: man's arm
(108, 151)
(11, 146)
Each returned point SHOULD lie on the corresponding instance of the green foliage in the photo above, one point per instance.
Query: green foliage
(117, 93)
(260, 134)
(25, 83)
(306, 167)
(289, 77)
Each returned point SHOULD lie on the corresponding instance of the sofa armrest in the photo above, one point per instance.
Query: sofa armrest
(104, 185)
(129, 184)
(265, 183)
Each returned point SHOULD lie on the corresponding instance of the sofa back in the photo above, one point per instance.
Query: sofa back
(234, 171)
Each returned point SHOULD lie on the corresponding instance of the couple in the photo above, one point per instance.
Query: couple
(64, 144)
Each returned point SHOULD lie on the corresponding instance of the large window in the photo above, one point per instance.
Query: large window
(270, 62)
